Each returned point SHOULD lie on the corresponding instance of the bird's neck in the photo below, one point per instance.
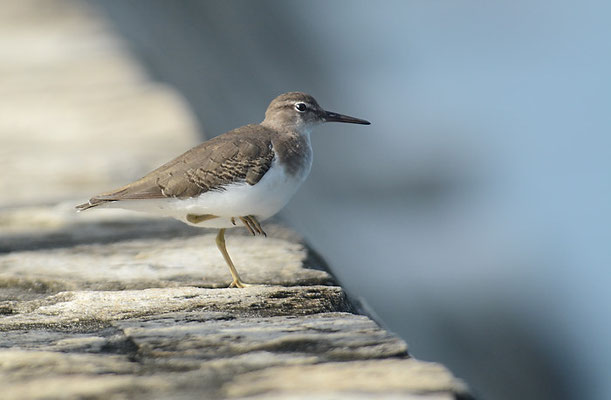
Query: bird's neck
(294, 150)
(302, 129)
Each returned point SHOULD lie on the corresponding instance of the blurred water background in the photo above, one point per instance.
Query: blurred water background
(472, 216)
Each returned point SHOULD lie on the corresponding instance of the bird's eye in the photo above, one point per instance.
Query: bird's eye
(301, 107)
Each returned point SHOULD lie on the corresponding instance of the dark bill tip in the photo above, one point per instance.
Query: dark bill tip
(335, 117)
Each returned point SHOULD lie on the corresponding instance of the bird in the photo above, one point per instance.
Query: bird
(243, 176)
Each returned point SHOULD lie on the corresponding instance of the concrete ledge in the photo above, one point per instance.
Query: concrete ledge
(136, 316)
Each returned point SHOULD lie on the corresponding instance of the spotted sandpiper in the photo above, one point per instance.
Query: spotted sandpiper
(245, 175)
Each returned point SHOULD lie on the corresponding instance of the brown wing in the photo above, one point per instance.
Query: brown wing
(236, 156)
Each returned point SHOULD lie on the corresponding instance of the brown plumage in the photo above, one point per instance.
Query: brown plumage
(241, 155)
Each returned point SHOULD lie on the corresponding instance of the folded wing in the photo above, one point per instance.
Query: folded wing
(214, 164)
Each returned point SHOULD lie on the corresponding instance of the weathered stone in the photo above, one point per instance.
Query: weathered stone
(81, 386)
(158, 263)
(198, 353)
(97, 308)
(358, 377)
(21, 363)
(319, 337)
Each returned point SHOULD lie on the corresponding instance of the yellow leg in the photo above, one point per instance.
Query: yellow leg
(220, 243)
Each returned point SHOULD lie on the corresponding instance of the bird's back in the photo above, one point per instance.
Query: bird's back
(242, 155)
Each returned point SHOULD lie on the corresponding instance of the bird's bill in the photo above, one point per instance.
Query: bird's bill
(335, 117)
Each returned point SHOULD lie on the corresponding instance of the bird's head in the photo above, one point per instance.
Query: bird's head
(300, 111)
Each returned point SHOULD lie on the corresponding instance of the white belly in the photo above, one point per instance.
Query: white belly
(261, 200)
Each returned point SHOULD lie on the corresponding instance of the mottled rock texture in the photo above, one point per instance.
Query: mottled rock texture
(143, 317)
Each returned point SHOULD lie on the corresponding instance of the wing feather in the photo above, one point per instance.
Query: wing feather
(230, 158)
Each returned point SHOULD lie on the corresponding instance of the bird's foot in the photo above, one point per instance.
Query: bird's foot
(253, 226)
(237, 283)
